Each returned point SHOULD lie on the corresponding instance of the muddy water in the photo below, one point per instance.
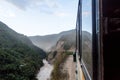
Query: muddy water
(45, 71)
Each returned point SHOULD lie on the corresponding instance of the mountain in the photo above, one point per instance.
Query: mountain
(19, 58)
(64, 41)
(48, 41)
(45, 42)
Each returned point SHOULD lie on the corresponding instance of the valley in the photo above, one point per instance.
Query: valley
(47, 57)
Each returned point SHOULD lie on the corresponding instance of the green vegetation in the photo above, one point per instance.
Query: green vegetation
(67, 46)
(19, 66)
(68, 53)
(19, 58)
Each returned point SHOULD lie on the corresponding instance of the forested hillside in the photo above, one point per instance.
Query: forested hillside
(19, 58)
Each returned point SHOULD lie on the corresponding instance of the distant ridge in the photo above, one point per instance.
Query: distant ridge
(48, 41)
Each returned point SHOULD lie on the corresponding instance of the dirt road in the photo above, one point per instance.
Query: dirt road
(69, 66)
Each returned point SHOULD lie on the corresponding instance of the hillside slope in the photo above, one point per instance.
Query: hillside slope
(19, 58)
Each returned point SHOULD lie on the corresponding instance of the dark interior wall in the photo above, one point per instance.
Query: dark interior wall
(111, 8)
(111, 56)
(111, 40)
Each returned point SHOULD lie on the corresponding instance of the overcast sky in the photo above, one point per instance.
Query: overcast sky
(39, 17)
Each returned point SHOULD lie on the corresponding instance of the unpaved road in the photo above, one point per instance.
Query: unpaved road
(69, 66)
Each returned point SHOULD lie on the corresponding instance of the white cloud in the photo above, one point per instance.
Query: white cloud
(21, 4)
(44, 6)
(7, 12)
(51, 3)
(24, 4)
(11, 14)
(61, 14)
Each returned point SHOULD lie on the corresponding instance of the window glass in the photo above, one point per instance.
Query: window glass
(87, 34)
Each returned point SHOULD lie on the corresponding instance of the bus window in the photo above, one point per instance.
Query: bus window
(87, 35)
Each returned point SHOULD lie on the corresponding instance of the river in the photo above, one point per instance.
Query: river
(45, 71)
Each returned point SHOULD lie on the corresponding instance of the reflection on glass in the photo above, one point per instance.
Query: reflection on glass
(87, 35)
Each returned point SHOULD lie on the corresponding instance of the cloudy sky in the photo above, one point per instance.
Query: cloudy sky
(39, 17)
